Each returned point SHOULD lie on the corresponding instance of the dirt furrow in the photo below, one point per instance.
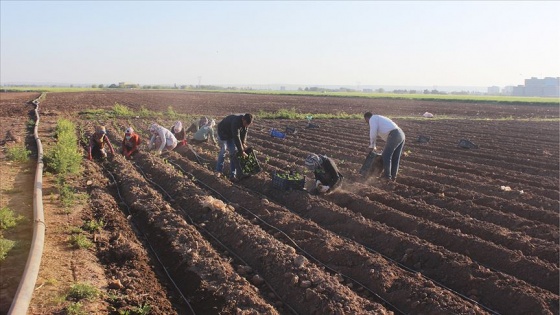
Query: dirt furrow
(310, 290)
(134, 282)
(336, 252)
(456, 271)
(205, 277)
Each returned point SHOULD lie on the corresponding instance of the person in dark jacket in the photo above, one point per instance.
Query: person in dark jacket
(326, 173)
(97, 143)
(232, 136)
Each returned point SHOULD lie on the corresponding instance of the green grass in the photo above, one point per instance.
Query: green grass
(93, 225)
(427, 97)
(8, 219)
(64, 157)
(80, 241)
(80, 291)
(6, 246)
(18, 153)
(75, 308)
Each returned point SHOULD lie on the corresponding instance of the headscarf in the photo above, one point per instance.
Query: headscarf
(178, 126)
(101, 129)
(153, 128)
(129, 130)
(312, 162)
(203, 121)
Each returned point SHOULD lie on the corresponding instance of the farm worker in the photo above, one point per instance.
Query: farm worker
(161, 139)
(394, 138)
(327, 176)
(130, 142)
(180, 133)
(232, 135)
(205, 133)
(97, 143)
(198, 124)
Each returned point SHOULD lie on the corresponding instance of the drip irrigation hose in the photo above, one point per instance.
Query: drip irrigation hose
(210, 234)
(464, 297)
(292, 241)
(22, 298)
(128, 213)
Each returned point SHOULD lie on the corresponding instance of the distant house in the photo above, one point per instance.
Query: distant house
(493, 90)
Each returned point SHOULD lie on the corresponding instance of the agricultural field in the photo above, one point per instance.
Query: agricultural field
(461, 231)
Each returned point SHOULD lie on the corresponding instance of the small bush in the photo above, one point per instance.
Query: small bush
(122, 111)
(5, 247)
(66, 193)
(18, 153)
(75, 309)
(80, 291)
(64, 157)
(80, 241)
(8, 219)
(93, 225)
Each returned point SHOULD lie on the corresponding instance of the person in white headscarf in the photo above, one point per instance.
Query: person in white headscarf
(161, 139)
(180, 133)
(205, 132)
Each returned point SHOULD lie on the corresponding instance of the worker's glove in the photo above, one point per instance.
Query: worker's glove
(318, 184)
(158, 152)
(183, 142)
(323, 189)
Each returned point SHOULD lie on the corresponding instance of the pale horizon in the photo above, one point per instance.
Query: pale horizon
(292, 43)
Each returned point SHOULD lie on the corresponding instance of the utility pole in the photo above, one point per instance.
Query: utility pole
(199, 79)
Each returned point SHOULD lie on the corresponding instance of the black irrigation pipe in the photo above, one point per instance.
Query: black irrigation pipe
(208, 232)
(128, 213)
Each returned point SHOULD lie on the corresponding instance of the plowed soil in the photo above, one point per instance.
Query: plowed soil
(461, 231)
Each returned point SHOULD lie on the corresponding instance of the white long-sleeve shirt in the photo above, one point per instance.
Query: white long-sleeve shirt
(380, 126)
(166, 136)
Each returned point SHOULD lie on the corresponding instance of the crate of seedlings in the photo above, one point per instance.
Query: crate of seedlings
(291, 180)
(250, 164)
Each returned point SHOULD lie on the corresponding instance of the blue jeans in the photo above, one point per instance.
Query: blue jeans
(230, 146)
(392, 153)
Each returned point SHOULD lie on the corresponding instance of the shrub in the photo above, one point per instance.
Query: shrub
(122, 111)
(93, 225)
(64, 157)
(8, 219)
(80, 241)
(18, 153)
(5, 246)
(75, 309)
(81, 291)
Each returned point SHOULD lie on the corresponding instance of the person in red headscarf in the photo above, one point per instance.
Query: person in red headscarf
(130, 143)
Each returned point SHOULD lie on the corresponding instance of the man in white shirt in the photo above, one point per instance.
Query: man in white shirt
(394, 138)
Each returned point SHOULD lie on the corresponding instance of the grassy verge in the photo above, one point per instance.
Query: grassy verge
(8, 219)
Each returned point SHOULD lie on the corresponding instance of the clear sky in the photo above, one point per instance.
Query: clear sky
(404, 43)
